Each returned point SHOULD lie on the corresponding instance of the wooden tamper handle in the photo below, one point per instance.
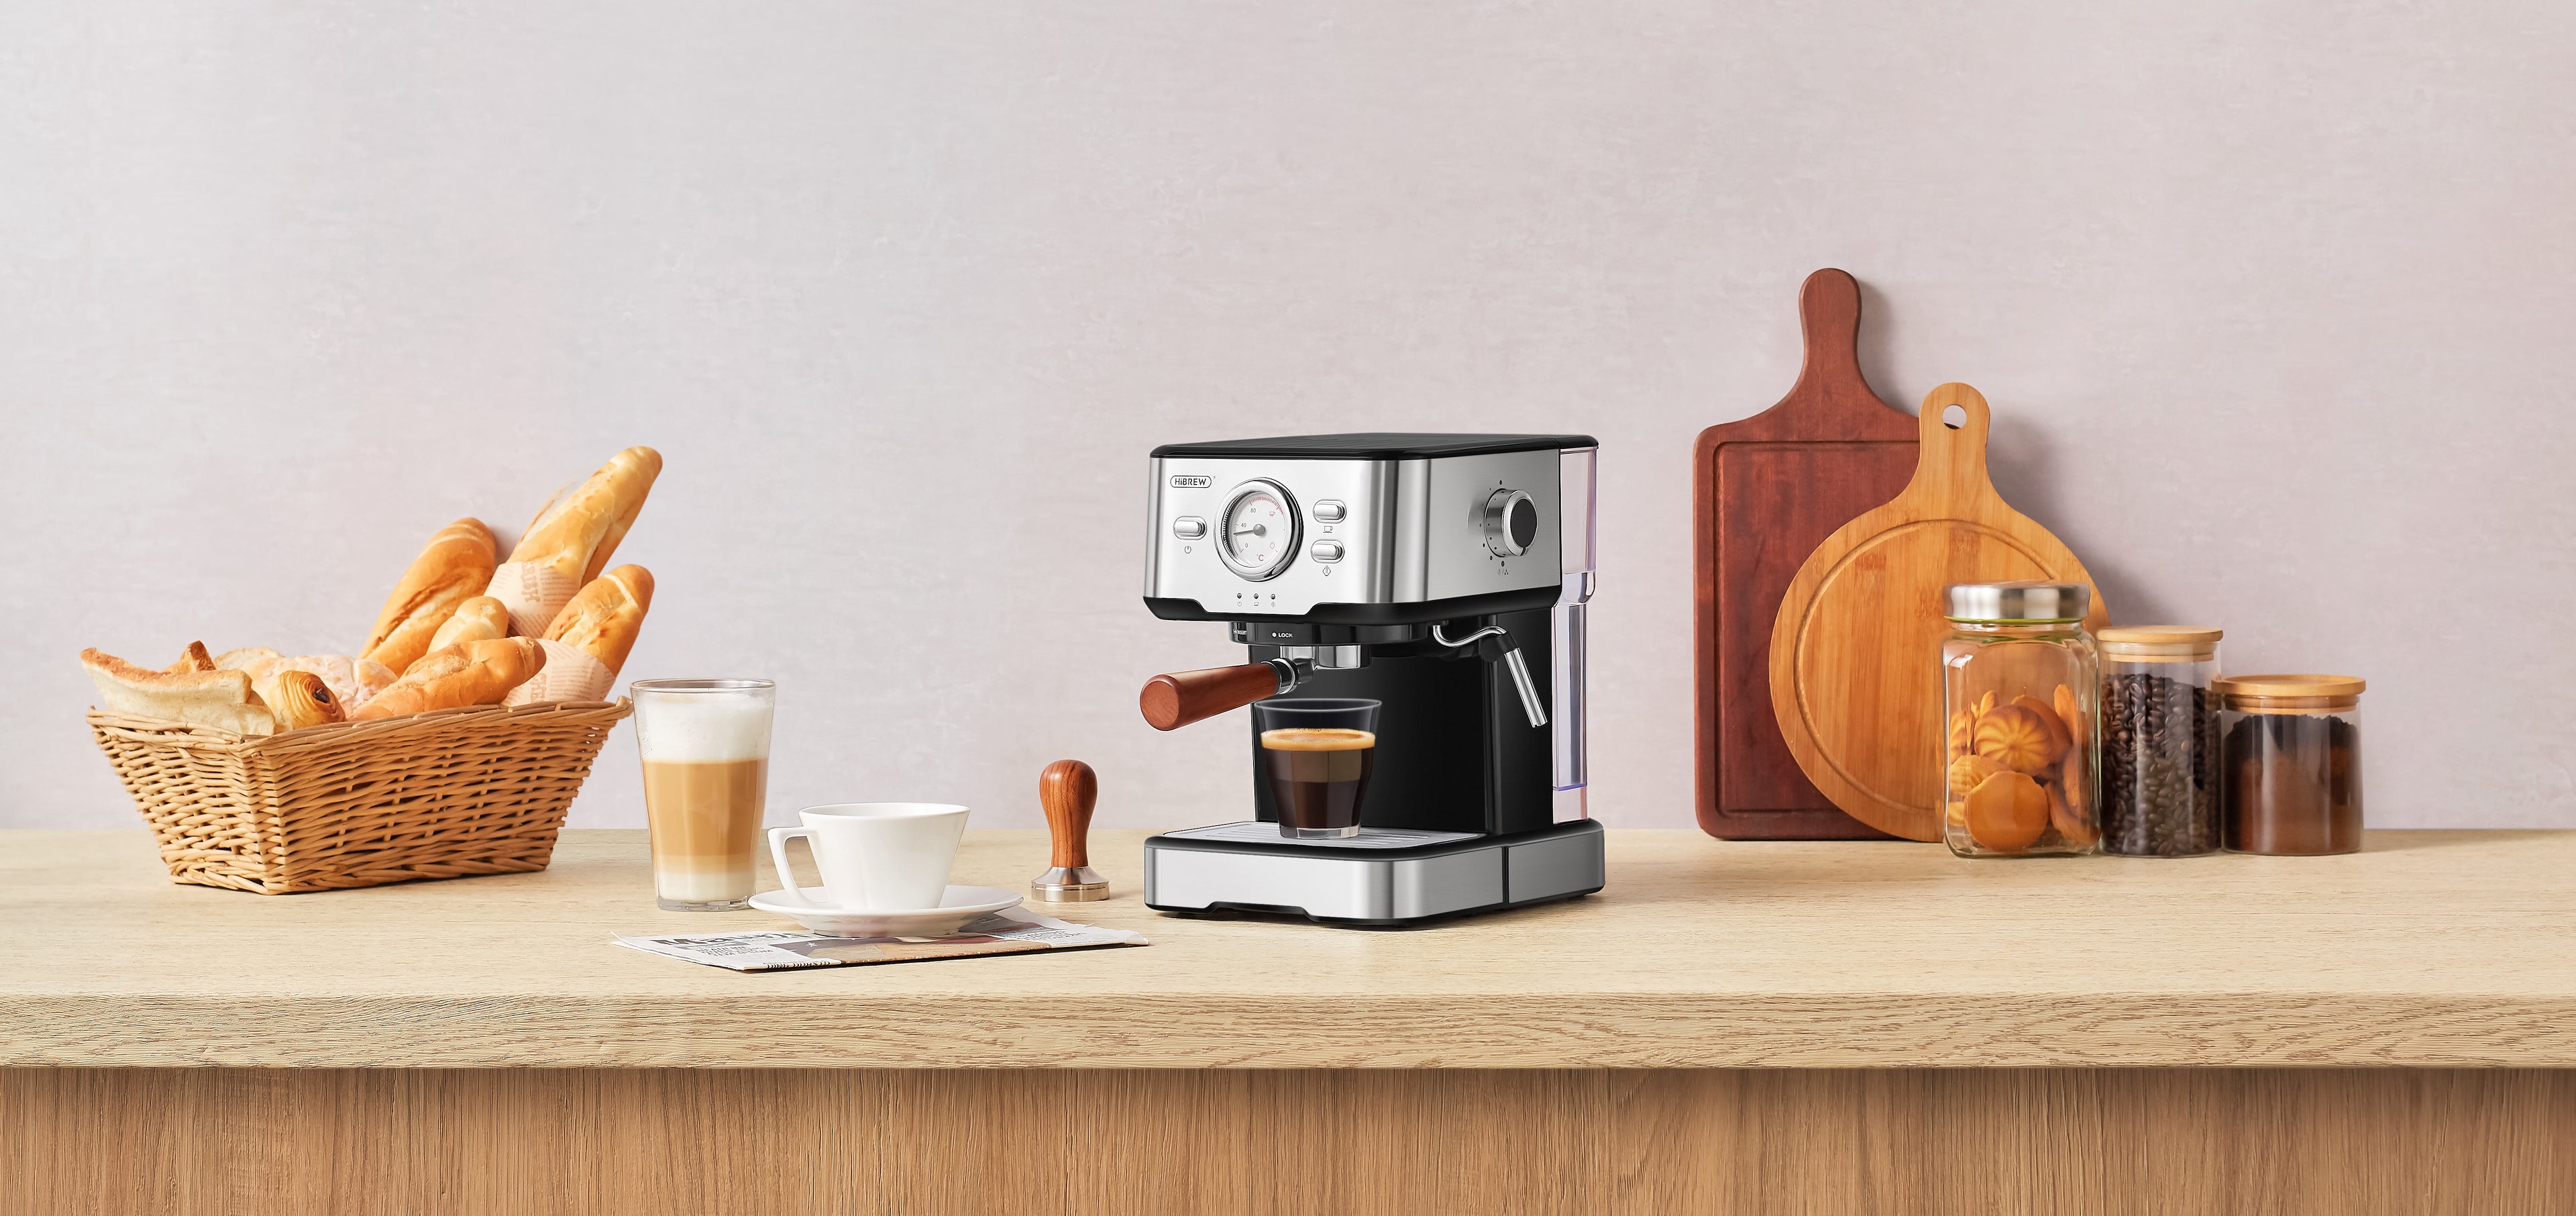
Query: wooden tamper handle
(1067, 790)
(1176, 700)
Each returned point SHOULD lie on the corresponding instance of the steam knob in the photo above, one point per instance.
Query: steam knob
(1067, 790)
(1511, 522)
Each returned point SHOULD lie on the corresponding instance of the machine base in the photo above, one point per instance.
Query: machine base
(1381, 877)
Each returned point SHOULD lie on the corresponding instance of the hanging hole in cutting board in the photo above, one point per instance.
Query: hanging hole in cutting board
(1954, 417)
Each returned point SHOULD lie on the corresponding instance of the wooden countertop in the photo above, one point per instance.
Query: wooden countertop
(2428, 949)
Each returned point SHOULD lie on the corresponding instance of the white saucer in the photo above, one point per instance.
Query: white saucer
(959, 906)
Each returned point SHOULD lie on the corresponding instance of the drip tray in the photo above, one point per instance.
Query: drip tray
(1256, 832)
(1381, 877)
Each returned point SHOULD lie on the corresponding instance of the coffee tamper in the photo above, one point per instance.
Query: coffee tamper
(1067, 789)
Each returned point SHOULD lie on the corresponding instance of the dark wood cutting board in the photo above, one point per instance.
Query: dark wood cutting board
(1765, 492)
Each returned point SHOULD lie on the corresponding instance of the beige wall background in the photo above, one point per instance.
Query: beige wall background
(2272, 300)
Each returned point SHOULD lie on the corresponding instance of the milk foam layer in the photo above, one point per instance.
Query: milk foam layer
(704, 727)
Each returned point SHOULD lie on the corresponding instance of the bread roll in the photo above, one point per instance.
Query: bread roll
(240, 658)
(604, 618)
(455, 567)
(220, 699)
(480, 619)
(576, 534)
(475, 673)
(298, 699)
(194, 658)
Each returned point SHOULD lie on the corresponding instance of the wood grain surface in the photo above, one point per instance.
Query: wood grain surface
(2426, 949)
(1855, 648)
(1886, 1142)
(1765, 491)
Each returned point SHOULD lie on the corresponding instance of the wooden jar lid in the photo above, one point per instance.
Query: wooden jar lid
(2160, 643)
(2276, 693)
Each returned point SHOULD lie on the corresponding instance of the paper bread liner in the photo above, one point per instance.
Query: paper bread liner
(570, 674)
(533, 592)
(354, 681)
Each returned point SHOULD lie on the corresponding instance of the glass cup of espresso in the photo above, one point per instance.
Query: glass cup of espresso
(1317, 754)
(705, 745)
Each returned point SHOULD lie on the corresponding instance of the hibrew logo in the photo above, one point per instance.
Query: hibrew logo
(1191, 481)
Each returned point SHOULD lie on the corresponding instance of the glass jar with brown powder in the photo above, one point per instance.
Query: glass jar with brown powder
(2290, 764)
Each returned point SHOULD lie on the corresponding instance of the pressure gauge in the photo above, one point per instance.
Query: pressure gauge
(1257, 532)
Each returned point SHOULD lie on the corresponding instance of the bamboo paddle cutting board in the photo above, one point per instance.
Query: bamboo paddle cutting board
(1855, 649)
(1766, 491)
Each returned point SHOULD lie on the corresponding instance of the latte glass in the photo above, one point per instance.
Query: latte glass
(705, 746)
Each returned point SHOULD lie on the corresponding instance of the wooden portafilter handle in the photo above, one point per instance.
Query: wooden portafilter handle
(1067, 790)
(1176, 700)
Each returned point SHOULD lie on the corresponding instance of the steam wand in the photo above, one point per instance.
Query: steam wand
(1491, 643)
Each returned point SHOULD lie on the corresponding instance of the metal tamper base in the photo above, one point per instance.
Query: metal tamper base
(1069, 885)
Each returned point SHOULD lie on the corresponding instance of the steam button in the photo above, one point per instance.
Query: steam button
(1189, 527)
(1328, 551)
(1329, 511)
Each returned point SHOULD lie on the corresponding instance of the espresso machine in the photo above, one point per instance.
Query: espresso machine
(1444, 576)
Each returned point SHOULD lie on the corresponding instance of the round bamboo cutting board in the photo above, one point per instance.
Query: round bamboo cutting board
(1856, 647)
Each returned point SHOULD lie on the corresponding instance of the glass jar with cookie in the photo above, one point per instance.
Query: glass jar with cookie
(2019, 685)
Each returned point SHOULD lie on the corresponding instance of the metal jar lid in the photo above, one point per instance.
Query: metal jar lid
(2016, 601)
(2160, 643)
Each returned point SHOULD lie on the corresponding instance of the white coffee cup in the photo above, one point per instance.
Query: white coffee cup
(875, 856)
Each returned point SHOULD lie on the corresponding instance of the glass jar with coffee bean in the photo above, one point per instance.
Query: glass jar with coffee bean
(2018, 687)
(2291, 764)
(2159, 741)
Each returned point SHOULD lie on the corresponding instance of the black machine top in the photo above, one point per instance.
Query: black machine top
(1375, 445)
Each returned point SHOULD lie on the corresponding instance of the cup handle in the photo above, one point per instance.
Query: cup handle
(778, 838)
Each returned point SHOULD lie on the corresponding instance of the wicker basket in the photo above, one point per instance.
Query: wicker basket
(445, 794)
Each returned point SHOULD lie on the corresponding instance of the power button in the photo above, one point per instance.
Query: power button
(1327, 551)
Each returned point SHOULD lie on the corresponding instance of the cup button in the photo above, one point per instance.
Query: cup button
(1329, 511)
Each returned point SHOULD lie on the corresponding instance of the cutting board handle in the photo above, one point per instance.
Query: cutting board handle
(1829, 321)
(1950, 479)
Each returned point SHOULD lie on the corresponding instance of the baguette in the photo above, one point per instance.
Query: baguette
(616, 533)
(455, 567)
(480, 619)
(576, 534)
(604, 618)
(220, 699)
(298, 699)
(475, 673)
